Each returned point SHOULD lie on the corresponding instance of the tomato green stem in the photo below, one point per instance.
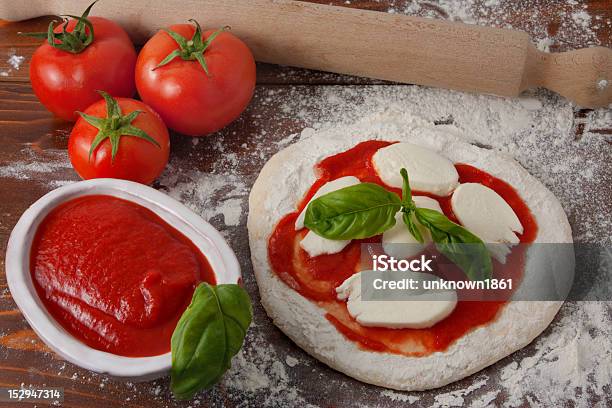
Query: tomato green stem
(75, 41)
(192, 49)
(114, 126)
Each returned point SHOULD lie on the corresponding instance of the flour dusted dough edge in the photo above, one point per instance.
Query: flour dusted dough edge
(305, 323)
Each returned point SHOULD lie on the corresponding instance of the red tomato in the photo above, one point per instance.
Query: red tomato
(65, 82)
(136, 159)
(188, 99)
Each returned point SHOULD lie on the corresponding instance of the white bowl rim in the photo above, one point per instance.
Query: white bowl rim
(219, 254)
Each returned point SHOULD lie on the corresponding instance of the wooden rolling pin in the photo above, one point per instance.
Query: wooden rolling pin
(367, 43)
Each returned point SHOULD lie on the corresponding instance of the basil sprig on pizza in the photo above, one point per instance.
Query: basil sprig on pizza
(365, 210)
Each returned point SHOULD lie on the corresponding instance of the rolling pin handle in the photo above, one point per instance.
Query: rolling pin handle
(583, 76)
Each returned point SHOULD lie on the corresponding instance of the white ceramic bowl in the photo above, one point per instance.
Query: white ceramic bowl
(220, 256)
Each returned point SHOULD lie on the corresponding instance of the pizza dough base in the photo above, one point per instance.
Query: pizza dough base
(519, 322)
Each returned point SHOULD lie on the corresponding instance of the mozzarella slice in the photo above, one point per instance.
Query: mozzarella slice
(315, 245)
(487, 215)
(423, 309)
(328, 187)
(427, 170)
(398, 242)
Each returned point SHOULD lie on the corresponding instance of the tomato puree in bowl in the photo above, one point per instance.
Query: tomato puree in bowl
(114, 274)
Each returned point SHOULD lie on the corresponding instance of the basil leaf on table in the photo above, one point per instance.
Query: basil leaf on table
(360, 211)
(458, 244)
(209, 333)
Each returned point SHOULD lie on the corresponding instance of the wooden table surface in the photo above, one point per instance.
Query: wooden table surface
(30, 136)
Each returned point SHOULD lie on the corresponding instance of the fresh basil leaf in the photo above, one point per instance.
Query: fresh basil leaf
(360, 211)
(209, 333)
(407, 201)
(409, 206)
(458, 244)
(412, 227)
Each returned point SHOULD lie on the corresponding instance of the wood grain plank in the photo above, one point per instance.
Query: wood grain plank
(25, 340)
(30, 136)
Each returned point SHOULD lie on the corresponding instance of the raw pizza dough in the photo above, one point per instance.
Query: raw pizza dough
(283, 182)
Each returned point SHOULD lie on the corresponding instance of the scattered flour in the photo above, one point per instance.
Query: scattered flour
(485, 400)
(14, 61)
(575, 360)
(457, 398)
(582, 19)
(602, 84)
(209, 195)
(564, 25)
(400, 396)
(39, 166)
(291, 361)
(259, 377)
(27, 170)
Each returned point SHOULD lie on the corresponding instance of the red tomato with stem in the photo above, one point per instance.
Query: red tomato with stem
(198, 83)
(119, 138)
(66, 75)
